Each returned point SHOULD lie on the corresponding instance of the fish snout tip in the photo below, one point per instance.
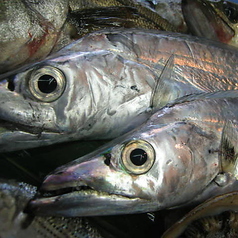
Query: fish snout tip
(57, 180)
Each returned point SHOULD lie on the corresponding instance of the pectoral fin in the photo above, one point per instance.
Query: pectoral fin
(162, 93)
(229, 149)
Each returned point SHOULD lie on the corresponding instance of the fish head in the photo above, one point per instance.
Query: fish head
(72, 96)
(152, 168)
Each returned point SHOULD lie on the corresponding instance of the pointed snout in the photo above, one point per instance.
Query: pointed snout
(78, 174)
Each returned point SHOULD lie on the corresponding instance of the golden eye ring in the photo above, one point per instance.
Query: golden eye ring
(47, 83)
(138, 156)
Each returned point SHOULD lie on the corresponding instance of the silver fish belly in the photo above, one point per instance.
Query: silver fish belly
(172, 160)
(102, 85)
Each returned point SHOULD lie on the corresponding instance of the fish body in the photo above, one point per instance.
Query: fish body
(172, 160)
(216, 20)
(29, 30)
(14, 222)
(170, 10)
(216, 217)
(102, 85)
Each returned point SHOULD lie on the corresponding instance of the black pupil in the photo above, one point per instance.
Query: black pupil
(47, 83)
(230, 10)
(138, 157)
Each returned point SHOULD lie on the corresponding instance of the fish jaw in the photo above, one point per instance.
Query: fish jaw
(24, 123)
(96, 184)
(73, 204)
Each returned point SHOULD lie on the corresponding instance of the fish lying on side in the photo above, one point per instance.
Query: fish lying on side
(172, 160)
(31, 30)
(170, 10)
(102, 85)
(214, 218)
(212, 20)
(15, 223)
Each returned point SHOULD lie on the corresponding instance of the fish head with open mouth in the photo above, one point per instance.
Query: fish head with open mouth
(177, 158)
(158, 168)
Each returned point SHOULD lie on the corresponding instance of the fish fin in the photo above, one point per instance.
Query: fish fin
(229, 149)
(88, 20)
(161, 87)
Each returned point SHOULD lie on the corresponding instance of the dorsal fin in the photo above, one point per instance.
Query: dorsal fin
(229, 148)
(161, 93)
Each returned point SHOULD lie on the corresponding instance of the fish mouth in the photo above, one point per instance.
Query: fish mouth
(16, 136)
(14, 126)
(82, 190)
(82, 201)
(88, 187)
(10, 126)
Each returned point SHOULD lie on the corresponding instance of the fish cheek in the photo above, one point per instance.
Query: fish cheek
(176, 175)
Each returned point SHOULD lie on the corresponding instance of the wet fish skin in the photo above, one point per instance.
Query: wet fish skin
(147, 18)
(169, 10)
(182, 164)
(29, 30)
(216, 217)
(109, 66)
(15, 223)
(212, 20)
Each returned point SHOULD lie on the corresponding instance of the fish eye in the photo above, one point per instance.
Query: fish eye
(138, 156)
(47, 83)
(231, 11)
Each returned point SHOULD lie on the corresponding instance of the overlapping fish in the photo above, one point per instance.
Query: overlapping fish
(102, 85)
(15, 223)
(185, 153)
(31, 30)
(215, 20)
(214, 218)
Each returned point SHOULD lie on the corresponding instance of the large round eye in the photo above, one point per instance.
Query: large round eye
(138, 156)
(47, 83)
(231, 11)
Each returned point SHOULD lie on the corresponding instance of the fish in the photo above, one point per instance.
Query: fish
(144, 16)
(213, 20)
(171, 10)
(172, 160)
(29, 30)
(32, 30)
(14, 222)
(107, 83)
(216, 217)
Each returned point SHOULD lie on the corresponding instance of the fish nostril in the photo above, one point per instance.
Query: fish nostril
(107, 160)
(11, 85)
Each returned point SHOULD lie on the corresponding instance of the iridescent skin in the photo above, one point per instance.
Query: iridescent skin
(186, 167)
(110, 82)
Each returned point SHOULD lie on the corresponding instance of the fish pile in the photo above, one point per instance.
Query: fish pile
(122, 71)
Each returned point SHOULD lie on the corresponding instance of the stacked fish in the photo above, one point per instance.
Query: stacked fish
(168, 100)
